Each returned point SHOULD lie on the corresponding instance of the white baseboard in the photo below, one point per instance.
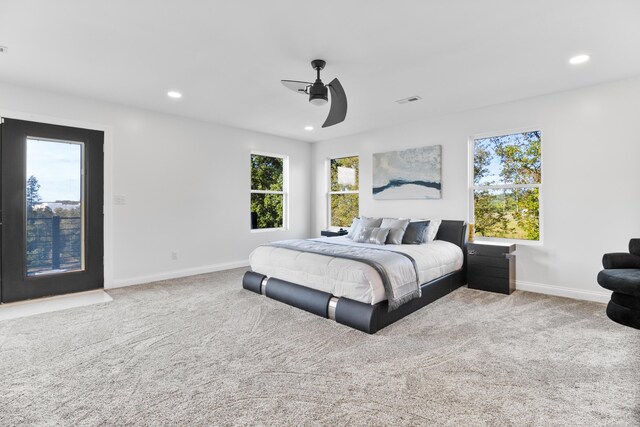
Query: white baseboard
(581, 294)
(177, 273)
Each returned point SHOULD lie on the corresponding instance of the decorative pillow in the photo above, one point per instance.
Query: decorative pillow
(352, 229)
(374, 235)
(366, 221)
(432, 230)
(396, 228)
(416, 233)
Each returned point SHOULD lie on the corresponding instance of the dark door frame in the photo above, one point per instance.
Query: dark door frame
(13, 255)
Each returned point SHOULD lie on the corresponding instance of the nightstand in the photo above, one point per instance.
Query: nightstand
(328, 233)
(491, 267)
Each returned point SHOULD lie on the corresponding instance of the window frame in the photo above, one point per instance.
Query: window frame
(473, 187)
(329, 192)
(284, 192)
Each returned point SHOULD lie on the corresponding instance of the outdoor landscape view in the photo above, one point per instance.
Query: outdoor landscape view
(267, 194)
(507, 177)
(54, 232)
(344, 191)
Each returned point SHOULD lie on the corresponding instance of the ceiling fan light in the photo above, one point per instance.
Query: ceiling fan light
(318, 100)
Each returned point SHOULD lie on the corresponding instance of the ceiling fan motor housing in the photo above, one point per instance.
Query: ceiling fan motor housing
(318, 93)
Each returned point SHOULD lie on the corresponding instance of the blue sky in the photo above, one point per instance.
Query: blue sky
(57, 166)
(495, 166)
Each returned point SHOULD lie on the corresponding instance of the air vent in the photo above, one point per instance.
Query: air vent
(409, 99)
(4, 49)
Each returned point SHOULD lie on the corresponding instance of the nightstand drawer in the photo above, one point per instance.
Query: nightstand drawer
(490, 261)
(490, 283)
(484, 270)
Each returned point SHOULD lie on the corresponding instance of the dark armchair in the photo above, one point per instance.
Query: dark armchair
(621, 274)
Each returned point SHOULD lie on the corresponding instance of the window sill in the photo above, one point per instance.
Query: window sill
(497, 241)
(266, 230)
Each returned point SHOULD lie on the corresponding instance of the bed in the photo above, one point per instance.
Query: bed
(352, 292)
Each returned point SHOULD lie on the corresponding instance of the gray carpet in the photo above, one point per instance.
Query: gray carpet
(202, 351)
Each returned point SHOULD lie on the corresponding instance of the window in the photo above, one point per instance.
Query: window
(505, 192)
(343, 191)
(268, 191)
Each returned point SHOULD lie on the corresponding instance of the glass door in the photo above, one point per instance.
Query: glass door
(52, 197)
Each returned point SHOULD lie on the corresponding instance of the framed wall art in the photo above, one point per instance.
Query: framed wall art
(414, 173)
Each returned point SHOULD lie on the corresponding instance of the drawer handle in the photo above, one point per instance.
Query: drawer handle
(472, 252)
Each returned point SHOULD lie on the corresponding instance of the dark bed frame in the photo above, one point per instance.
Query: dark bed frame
(364, 317)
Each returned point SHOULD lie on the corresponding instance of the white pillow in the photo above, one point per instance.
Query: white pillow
(432, 230)
(354, 226)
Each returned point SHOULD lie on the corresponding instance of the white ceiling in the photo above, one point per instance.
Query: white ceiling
(228, 57)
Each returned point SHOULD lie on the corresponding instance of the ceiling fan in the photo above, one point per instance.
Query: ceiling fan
(318, 94)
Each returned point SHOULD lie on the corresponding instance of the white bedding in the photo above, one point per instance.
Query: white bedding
(348, 278)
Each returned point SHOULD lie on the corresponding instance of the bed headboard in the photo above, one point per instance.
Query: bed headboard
(455, 232)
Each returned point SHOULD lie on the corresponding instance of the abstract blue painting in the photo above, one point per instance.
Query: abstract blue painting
(407, 174)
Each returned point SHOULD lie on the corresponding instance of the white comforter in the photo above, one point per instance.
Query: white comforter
(348, 278)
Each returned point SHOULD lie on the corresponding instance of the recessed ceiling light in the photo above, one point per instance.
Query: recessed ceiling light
(174, 94)
(579, 59)
(308, 128)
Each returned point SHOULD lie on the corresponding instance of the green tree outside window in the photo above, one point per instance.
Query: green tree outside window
(343, 191)
(507, 177)
(39, 232)
(267, 191)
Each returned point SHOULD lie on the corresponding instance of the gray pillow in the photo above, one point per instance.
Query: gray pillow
(396, 228)
(374, 235)
(416, 233)
(366, 222)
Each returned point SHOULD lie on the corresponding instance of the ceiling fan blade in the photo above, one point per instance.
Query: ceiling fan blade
(296, 86)
(338, 110)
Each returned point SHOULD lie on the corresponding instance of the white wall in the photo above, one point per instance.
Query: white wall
(167, 168)
(591, 193)
(186, 184)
